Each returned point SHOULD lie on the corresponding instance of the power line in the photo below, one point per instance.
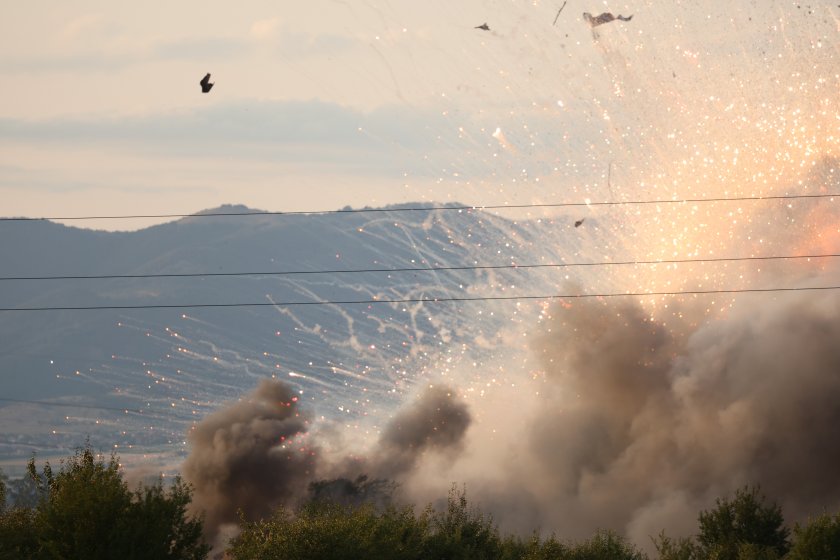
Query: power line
(416, 269)
(418, 300)
(431, 208)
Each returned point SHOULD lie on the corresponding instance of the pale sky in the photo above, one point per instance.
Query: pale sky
(322, 104)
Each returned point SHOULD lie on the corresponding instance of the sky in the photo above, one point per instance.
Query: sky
(323, 104)
(316, 105)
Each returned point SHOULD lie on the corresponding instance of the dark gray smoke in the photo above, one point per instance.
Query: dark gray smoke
(434, 425)
(437, 421)
(249, 456)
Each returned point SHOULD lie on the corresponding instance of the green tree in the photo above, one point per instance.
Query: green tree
(17, 534)
(157, 525)
(538, 549)
(334, 531)
(82, 506)
(676, 549)
(818, 539)
(605, 545)
(331, 531)
(461, 532)
(746, 519)
(3, 480)
(751, 551)
(87, 511)
(18, 537)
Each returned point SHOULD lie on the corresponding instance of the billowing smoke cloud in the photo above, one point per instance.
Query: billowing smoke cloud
(636, 427)
(435, 421)
(431, 427)
(249, 456)
(252, 455)
(639, 426)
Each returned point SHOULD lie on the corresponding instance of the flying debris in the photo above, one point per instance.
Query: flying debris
(558, 12)
(206, 86)
(483, 26)
(606, 17)
(579, 223)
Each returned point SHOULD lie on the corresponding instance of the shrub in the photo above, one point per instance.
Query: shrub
(745, 520)
(86, 511)
(820, 538)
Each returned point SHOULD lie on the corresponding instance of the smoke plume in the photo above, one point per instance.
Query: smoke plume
(638, 426)
(435, 421)
(249, 456)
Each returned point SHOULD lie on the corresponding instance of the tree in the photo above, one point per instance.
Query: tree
(3, 480)
(747, 519)
(87, 511)
(461, 532)
(676, 549)
(605, 545)
(17, 535)
(820, 538)
(326, 530)
(537, 549)
(331, 531)
(83, 503)
(157, 526)
(18, 538)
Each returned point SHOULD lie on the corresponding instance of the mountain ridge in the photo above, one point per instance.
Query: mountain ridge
(178, 364)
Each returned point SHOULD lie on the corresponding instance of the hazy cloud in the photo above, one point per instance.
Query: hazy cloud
(388, 140)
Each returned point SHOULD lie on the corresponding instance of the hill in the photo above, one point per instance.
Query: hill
(135, 379)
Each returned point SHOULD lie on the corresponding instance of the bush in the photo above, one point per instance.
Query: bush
(679, 549)
(17, 534)
(461, 532)
(726, 530)
(331, 531)
(337, 531)
(538, 549)
(605, 545)
(820, 538)
(86, 511)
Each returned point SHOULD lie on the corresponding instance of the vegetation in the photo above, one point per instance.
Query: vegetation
(332, 531)
(819, 538)
(86, 510)
(744, 527)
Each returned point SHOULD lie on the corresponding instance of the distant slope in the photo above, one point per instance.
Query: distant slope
(175, 365)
